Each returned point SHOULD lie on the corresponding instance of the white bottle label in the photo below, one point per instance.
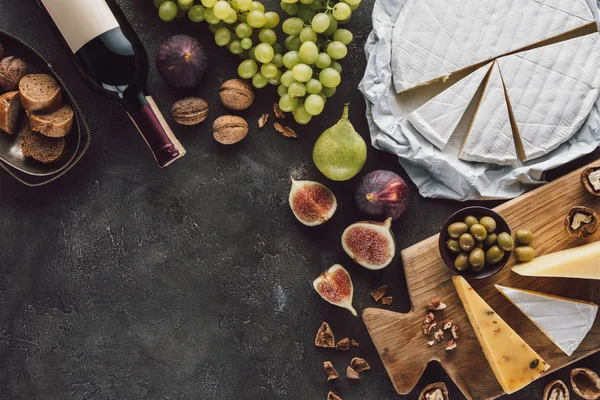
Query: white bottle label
(80, 21)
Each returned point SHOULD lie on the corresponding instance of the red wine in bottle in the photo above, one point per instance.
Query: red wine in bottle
(111, 59)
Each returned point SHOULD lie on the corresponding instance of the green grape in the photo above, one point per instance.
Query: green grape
(196, 13)
(291, 59)
(284, 6)
(292, 26)
(242, 18)
(167, 11)
(251, 54)
(302, 72)
(215, 27)
(232, 18)
(306, 14)
(294, 44)
(222, 36)
(301, 115)
(321, 95)
(269, 70)
(277, 60)
(244, 55)
(276, 80)
(210, 17)
(308, 35)
(343, 35)
(328, 91)
(330, 78)
(333, 25)
(337, 50)
(157, 3)
(272, 19)
(257, 5)
(297, 89)
(221, 9)
(243, 30)
(354, 7)
(341, 11)
(236, 47)
(287, 103)
(259, 81)
(345, 21)
(323, 61)
(246, 43)
(244, 5)
(247, 69)
(256, 18)
(267, 36)
(352, 2)
(287, 78)
(185, 5)
(264, 53)
(277, 47)
(208, 3)
(320, 22)
(308, 53)
(234, 5)
(316, 6)
(282, 90)
(306, 1)
(337, 66)
(314, 86)
(290, 1)
(314, 104)
(293, 9)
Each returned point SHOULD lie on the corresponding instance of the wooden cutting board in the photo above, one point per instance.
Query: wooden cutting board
(400, 341)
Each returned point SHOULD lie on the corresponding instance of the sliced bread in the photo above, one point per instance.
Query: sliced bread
(39, 147)
(10, 106)
(55, 124)
(40, 92)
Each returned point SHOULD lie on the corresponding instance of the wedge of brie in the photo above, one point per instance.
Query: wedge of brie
(490, 136)
(439, 117)
(565, 321)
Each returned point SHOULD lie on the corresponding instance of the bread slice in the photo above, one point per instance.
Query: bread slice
(10, 106)
(40, 92)
(39, 147)
(55, 124)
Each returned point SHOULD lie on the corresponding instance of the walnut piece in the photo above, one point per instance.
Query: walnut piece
(359, 364)
(594, 179)
(387, 301)
(447, 324)
(590, 179)
(355, 343)
(277, 111)
(450, 345)
(431, 342)
(429, 323)
(435, 391)
(581, 222)
(435, 304)
(343, 344)
(285, 131)
(263, 120)
(333, 396)
(351, 373)
(556, 390)
(585, 383)
(330, 371)
(378, 293)
(325, 336)
(456, 332)
(438, 335)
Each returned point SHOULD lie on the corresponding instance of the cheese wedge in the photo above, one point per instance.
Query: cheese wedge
(551, 91)
(513, 361)
(490, 136)
(565, 321)
(435, 38)
(439, 117)
(580, 262)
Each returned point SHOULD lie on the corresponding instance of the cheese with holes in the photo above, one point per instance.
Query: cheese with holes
(490, 136)
(579, 262)
(551, 91)
(565, 321)
(439, 117)
(435, 38)
(513, 361)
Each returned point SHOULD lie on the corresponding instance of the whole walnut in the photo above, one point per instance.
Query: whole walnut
(236, 94)
(189, 111)
(230, 129)
(12, 70)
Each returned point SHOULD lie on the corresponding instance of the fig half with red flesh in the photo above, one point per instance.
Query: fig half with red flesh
(335, 287)
(370, 244)
(312, 203)
(382, 194)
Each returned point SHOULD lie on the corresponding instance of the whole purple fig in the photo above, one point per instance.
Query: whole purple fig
(182, 61)
(382, 194)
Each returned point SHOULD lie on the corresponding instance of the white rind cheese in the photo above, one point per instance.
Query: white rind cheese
(439, 117)
(490, 136)
(565, 321)
(435, 38)
(551, 91)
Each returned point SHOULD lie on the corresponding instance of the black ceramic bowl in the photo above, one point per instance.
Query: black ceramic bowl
(449, 257)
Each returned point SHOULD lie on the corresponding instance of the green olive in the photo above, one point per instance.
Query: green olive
(494, 255)
(524, 236)
(467, 242)
(479, 232)
(506, 242)
(462, 261)
(490, 240)
(477, 259)
(489, 223)
(456, 229)
(525, 253)
(471, 220)
(453, 246)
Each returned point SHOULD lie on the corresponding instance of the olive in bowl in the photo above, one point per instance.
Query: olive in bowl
(475, 242)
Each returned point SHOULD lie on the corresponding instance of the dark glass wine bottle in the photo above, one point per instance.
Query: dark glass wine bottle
(111, 59)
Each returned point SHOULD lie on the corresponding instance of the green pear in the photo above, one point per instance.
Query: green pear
(340, 152)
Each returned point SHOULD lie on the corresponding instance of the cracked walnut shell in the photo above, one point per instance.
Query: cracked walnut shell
(330, 371)
(581, 222)
(585, 383)
(359, 364)
(590, 179)
(324, 336)
(556, 390)
(435, 391)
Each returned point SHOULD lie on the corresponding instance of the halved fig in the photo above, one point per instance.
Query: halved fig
(312, 203)
(370, 244)
(335, 287)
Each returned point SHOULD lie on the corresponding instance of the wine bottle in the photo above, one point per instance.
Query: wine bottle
(111, 59)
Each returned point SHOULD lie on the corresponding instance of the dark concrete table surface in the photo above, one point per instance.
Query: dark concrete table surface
(123, 281)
